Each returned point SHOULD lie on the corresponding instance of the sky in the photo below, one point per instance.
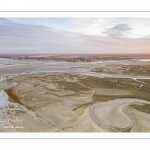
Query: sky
(74, 35)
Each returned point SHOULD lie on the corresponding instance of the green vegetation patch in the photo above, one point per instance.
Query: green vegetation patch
(144, 108)
(73, 86)
(117, 83)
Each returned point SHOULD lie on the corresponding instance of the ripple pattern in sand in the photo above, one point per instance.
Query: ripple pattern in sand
(114, 116)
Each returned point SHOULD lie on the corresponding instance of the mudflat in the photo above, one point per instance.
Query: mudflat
(72, 101)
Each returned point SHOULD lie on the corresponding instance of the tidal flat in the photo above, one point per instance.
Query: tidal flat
(76, 97)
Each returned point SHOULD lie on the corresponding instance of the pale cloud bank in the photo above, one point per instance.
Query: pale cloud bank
(75, 35)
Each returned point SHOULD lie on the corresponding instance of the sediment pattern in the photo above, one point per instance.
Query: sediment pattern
(118, 116)
(72, 98)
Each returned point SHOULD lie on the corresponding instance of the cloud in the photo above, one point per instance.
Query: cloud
(94, 26)
(119, 30)
(76, 35)
(122, 27)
